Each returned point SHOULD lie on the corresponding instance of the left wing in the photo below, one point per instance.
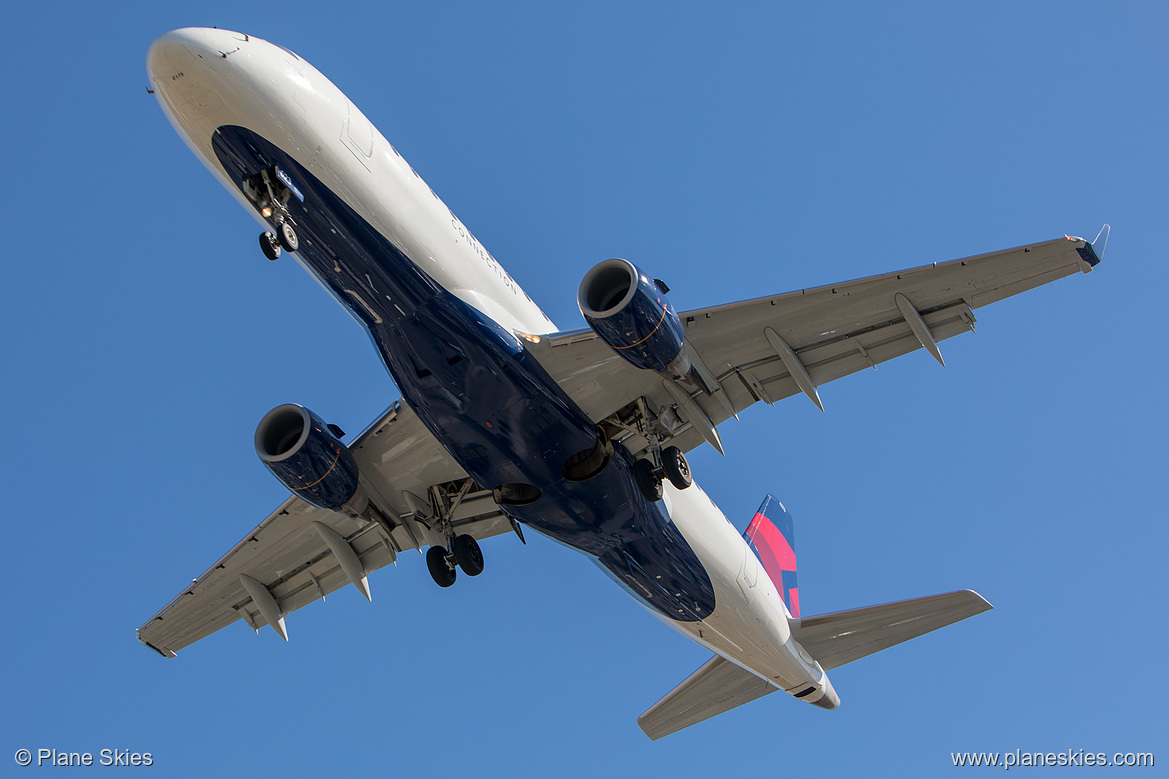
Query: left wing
(769, 348)
(298, 554)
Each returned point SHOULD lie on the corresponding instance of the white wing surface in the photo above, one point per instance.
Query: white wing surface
(289, 557)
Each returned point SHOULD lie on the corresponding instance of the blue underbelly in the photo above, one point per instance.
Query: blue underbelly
(482, 394)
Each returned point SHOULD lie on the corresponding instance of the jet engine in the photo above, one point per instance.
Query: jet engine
(630, 313)
(306, 456)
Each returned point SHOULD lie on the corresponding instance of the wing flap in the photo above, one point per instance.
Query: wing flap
(718, 686)
(843, 636)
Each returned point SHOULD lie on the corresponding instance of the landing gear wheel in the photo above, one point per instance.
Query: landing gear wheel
(468, 555)
(676, 468)
(288, 237)
(269, 245)
(648, 482)
(443, 574)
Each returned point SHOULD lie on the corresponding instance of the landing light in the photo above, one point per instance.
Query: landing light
(532, 339)
(266, 212)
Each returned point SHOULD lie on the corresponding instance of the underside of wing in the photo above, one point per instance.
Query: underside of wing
(843, 636)
(300, 553)
(770, 348)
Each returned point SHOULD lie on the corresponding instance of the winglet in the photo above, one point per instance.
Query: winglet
(1101, 242)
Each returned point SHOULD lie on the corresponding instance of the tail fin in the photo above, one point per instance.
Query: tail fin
(772, 535)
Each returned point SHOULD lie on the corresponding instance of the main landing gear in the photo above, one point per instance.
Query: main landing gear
(635, 424)
(460, 550)
(464, 553)
(649, 475)
(271, 194)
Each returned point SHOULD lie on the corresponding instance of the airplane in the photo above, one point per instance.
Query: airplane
(507, 424)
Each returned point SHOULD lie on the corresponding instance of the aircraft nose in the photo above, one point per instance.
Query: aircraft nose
(169, 55)
(172, 54)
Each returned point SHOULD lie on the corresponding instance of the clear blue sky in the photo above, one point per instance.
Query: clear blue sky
(732, 152)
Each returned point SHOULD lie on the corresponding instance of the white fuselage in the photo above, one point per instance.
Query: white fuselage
(206, 79)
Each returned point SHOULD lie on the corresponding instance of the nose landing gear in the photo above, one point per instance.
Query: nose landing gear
(270, 191)
(285, 238)
(270, 245)
(287, 235)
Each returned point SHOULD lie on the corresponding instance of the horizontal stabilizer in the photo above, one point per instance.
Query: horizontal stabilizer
(718, 686)
(843, 636)
(832, 639)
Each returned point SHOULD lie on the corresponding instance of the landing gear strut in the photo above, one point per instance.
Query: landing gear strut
(460, 550)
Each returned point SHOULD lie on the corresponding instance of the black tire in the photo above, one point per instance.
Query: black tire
(676, 468)
(468, 555)
(443, 574)
(270, 246)
(287, 235)
(647, 481)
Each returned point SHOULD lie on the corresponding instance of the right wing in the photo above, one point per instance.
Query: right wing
(770, 348)
(288, 556)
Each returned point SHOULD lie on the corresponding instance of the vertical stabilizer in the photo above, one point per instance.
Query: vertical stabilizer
(773, 537)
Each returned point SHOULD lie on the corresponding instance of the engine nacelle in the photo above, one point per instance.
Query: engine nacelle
(302, 452)
(630, 313)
